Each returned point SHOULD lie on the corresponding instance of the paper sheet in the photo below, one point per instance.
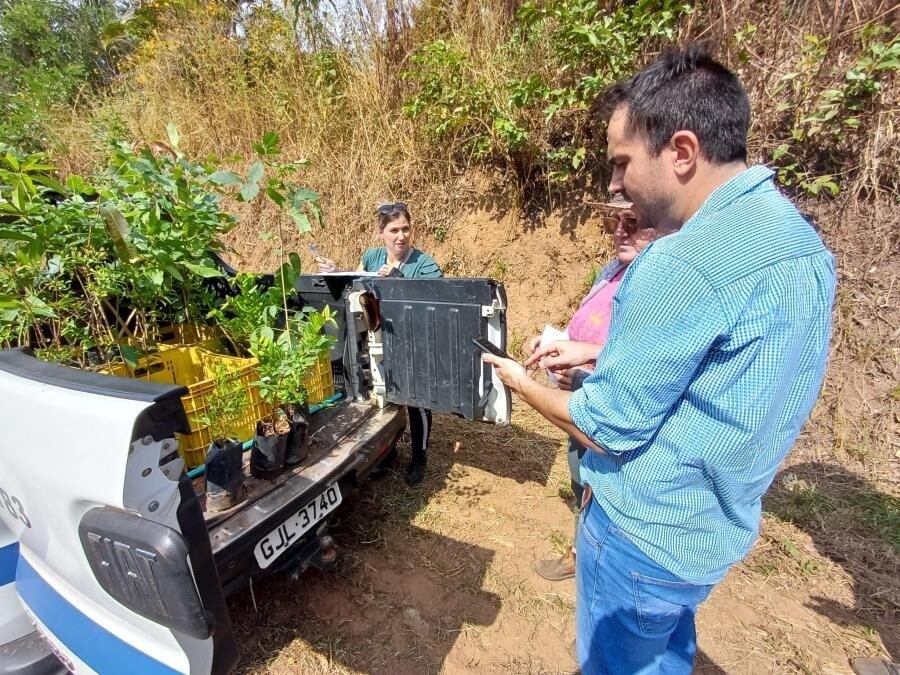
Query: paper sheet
(348, 273)
(552, 334)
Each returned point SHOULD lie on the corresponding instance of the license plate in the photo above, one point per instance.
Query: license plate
(282, 537)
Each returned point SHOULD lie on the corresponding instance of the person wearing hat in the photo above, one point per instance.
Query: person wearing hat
(589, 327)
(398, 257)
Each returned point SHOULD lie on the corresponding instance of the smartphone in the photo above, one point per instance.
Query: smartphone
(486, 346)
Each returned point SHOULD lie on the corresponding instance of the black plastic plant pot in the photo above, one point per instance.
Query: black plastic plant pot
(298, 437)
(267, 455)
(224, 474)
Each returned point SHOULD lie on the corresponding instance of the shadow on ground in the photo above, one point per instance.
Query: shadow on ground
(401, 594)
(856, 526)
(704, 664)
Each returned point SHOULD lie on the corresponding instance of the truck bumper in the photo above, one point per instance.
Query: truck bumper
(29, 655)
(351, 461)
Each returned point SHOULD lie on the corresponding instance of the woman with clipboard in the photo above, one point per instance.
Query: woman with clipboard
(398, 258)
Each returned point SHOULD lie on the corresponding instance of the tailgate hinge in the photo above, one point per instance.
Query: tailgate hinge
(491, 309)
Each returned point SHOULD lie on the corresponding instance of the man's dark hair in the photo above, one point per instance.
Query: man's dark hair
(685, 90)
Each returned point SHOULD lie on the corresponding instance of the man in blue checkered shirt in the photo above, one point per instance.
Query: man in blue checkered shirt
(715, 356)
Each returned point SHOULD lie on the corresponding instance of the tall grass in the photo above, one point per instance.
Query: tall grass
(340, 104)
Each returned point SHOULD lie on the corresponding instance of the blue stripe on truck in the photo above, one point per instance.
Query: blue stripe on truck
(90, 642)
(9, 554)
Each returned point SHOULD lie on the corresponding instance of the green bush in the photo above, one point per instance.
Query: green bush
(50, 52)
(825, 126)
(531, 115)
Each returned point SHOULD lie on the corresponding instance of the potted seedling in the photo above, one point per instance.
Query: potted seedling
(224, 457)
(267, 457)
(305, 343)
(285, 362)
(285, 356)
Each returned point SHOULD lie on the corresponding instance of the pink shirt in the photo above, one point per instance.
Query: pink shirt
(590, 323)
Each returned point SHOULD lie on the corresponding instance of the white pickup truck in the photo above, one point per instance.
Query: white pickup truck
(108, 561)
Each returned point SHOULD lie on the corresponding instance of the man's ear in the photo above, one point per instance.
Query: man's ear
(686, 152)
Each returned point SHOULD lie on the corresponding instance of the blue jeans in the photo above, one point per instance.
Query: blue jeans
(631, 615)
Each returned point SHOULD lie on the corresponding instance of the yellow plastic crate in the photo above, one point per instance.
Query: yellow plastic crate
(183, 335)
(319, 382)
(194, 368)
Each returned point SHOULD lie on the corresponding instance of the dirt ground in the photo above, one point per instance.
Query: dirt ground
(438, 578)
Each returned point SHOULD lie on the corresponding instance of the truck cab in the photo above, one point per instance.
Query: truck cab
(111, 555)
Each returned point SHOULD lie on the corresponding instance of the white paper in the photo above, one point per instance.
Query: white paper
(552, 334)
(348, 273)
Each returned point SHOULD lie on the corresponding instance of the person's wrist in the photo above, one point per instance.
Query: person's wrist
(524, 385)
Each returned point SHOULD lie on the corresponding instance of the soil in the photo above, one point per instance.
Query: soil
(438, 578)
(277, 424)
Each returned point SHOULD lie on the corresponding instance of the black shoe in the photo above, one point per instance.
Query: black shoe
(415, 472)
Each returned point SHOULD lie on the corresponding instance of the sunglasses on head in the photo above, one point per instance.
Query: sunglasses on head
(387, 209)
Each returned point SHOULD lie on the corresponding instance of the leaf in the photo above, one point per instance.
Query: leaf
(157, 277)
(302, 220)
(225, 178)
(130, 355)
(316, 212)
(78, 185)
(578, 157)
(249, 191)
(285, 278)
(275, 196)
(780, 151)
(49, 182)
(270, 138)
(791, 549)
(294, 259)
(13, 235)
(257, 169)
(269, 145)
(39, 307)
(203, 270)
(174, 136)
(15, 199)
(173, 272)
(302, 195)
(120, 232)
(826, 182)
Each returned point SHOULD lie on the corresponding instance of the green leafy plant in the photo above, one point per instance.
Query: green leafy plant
(249, 310)
(531, 117)
(99, 262)
(224, 404)
(49, 52)
(824, 122)
(285, 359)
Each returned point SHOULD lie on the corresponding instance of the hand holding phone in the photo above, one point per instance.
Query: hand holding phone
(489, 347)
